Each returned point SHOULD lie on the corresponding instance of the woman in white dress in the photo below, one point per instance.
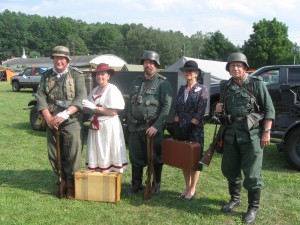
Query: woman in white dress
(106, 149)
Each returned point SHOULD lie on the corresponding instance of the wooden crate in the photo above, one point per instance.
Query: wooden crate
(97, 186)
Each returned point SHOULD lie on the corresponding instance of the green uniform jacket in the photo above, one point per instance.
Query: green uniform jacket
(47, 96)
(149, 100)
(237, 103)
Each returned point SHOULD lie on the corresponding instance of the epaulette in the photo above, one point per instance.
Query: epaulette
(161, 77)
(76, 69)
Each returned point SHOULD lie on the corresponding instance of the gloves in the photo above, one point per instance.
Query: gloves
(88, 104)
(63, 115)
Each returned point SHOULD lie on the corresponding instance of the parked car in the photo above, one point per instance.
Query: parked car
(29, 78)
(283, 83)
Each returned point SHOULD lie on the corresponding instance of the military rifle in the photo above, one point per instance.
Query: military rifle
(207, 157)
(150, 168)
(59, 170)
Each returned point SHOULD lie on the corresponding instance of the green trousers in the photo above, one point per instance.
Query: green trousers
(138, 148)
(246, 158)
(70, 148)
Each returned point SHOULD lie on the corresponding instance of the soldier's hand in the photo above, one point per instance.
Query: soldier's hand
(151, 131)
(57, 120)
(88, 104)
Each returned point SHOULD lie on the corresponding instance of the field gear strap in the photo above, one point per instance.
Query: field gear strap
(253, 98)
(70, 87)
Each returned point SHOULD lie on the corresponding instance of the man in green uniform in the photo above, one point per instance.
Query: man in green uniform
(59, 98)
(247, 111)
(150, 103)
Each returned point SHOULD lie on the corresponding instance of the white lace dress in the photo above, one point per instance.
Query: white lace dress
(106, 149)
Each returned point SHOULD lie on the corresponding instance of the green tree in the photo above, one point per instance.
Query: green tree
(168, 44)
(197, 45)
(104, 38)
(34, 54)
(217, 47)
(269, 44)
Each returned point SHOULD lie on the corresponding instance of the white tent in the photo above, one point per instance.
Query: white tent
(215, 68)
(110, 59)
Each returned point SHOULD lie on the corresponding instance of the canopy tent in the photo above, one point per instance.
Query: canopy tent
(112, 60)
(6, 75)
(215, 68)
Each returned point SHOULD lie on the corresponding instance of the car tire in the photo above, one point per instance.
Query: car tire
(15, 86)
(33, 117)
(292, 149)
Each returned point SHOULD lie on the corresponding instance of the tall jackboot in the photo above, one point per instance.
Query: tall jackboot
(156, 183)
(253, 204)
(235, 193)
(136, 181)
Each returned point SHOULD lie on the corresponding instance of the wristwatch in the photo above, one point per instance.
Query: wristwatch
(267, 129)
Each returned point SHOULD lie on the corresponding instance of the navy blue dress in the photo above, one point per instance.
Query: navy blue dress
(193, 107)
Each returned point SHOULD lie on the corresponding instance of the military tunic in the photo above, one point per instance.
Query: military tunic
(57, 94)
(242, 149)
(150, 102)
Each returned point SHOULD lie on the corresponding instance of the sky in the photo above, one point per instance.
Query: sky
(234, 19)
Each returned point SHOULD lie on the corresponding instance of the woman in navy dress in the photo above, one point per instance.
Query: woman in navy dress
(188, 121)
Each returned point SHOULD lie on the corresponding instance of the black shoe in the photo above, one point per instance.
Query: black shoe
(135, 189)
(155, 188)
(250, 216)
(191, 198)
(230, 206)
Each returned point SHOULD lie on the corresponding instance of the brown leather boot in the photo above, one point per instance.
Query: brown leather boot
(70, 189)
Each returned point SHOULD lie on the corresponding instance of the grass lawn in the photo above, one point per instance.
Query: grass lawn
(28, 185)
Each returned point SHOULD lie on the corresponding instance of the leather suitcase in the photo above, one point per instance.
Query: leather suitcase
(97, 186)
(181, 154)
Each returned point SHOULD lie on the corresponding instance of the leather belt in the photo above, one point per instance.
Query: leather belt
(238, 119)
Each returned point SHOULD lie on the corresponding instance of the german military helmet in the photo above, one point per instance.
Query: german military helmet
(152, 56)
(237, 57)
(61, 51)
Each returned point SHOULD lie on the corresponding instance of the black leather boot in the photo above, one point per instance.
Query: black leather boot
(136, 181)
(253, 203)
(157, 173)
(235, 192)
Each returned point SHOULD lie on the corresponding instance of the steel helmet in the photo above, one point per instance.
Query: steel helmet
(152, 56)
(61, 51)
(237, 57)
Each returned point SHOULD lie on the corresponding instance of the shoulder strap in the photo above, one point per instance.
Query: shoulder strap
(251, 81)
(223, 94)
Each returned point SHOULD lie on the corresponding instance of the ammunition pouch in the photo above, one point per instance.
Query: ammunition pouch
(253, 120)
